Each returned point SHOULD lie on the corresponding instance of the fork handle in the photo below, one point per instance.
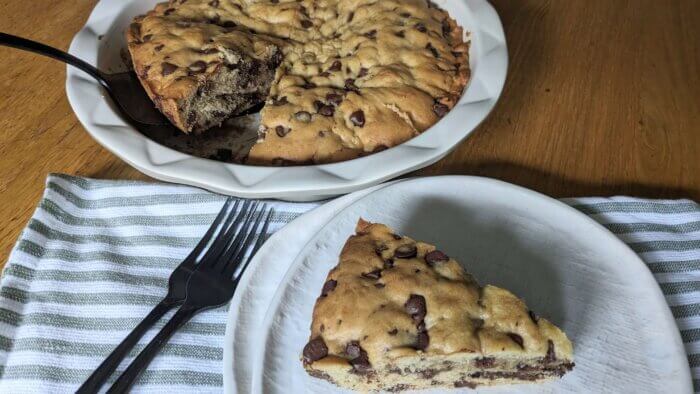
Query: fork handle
(141, 362)
(110, 364)
(37, 47)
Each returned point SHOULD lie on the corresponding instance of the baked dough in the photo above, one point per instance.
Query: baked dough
(351, 77)
(399, 314)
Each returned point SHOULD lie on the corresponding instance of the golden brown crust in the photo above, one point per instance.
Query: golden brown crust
(358, 76)
(177, 52)
(372, 301)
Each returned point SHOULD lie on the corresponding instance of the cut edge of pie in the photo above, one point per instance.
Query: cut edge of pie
(398, 314)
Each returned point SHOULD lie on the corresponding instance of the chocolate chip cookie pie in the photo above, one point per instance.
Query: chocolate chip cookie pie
(339, 79)
(398, 314)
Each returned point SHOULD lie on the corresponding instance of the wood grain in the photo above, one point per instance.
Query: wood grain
(602, 98)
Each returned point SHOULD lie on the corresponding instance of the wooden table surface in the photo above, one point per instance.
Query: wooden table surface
(602, 98)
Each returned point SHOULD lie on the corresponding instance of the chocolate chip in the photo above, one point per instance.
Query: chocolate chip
(169, 11)
(303, 116)
(214, 3)
(198, 67)
(328, 287)
(351, 16)
(371, 34)
(282, 131)
(379, 285)
(533, 317)
(393, 332)
(415, 306)
(406, 252)
(350, 85)
(446, 27)
(485, 362)
(516, 338)
(308, 85)
(135, 29)
(440, 109)
(420, 26)
(400, 34)
(551, 355)
(322, 133)
(422, 340)
(281, 101)
(465, 383)
(159, 47)
(228, 24)
(336, 66)
(405, 15)
(306, 24)
(334, 99)
(432, 50)
(316, 349)
(326, 110)
(353, 349)
(388, 263)
(361, 364)
(396, 236)
(358, 357)
(363, 72)
(421, 325)
(416, 271)
(358, 118)
(322, 328)
(167, 68)
(376, 274)
(435, 257)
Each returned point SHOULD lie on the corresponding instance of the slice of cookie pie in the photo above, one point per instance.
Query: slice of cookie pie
(398, 314)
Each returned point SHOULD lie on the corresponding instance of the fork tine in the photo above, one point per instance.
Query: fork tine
(236, 241)
(212, 229)
(222, 239)
(241, 247)
(235, 256)
(258, 243)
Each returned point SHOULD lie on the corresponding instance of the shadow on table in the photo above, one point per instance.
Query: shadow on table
(559, 186)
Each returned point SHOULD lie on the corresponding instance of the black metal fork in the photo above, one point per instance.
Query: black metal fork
(212, 284)
(177, 291)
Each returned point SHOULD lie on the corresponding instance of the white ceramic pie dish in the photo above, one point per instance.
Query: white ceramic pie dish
(101, 40)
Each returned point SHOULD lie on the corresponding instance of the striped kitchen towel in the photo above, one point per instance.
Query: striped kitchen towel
(96, 255)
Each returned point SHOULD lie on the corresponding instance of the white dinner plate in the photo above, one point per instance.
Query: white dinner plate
(568, 268)
(101, 42)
